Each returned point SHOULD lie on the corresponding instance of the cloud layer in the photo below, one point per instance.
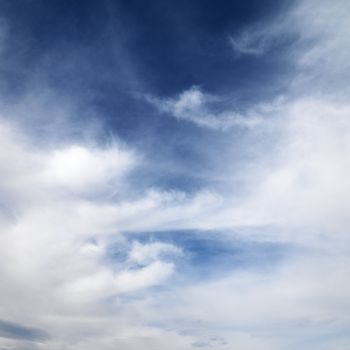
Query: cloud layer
(96, 255)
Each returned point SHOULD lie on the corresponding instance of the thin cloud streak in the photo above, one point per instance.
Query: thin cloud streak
(193, 105)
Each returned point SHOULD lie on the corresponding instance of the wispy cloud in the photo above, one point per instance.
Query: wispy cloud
(72, 264)
(193, 105)
(251, 43)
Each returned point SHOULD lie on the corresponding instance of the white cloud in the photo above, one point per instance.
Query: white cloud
(317, 33)
(303, 185)
(152, 274)
(319, 22)
(292, 304)
(57, 218)
(81, 169)
(193, 105)
(145, 253)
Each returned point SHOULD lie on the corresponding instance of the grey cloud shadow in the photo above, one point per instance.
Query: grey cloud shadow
(17, 331)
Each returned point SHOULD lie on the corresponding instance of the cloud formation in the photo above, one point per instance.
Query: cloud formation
(86, 261)
(193, 105)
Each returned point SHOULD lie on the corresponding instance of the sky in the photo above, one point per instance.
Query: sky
(174, 175)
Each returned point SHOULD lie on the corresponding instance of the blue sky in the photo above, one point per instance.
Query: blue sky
(174, 175)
